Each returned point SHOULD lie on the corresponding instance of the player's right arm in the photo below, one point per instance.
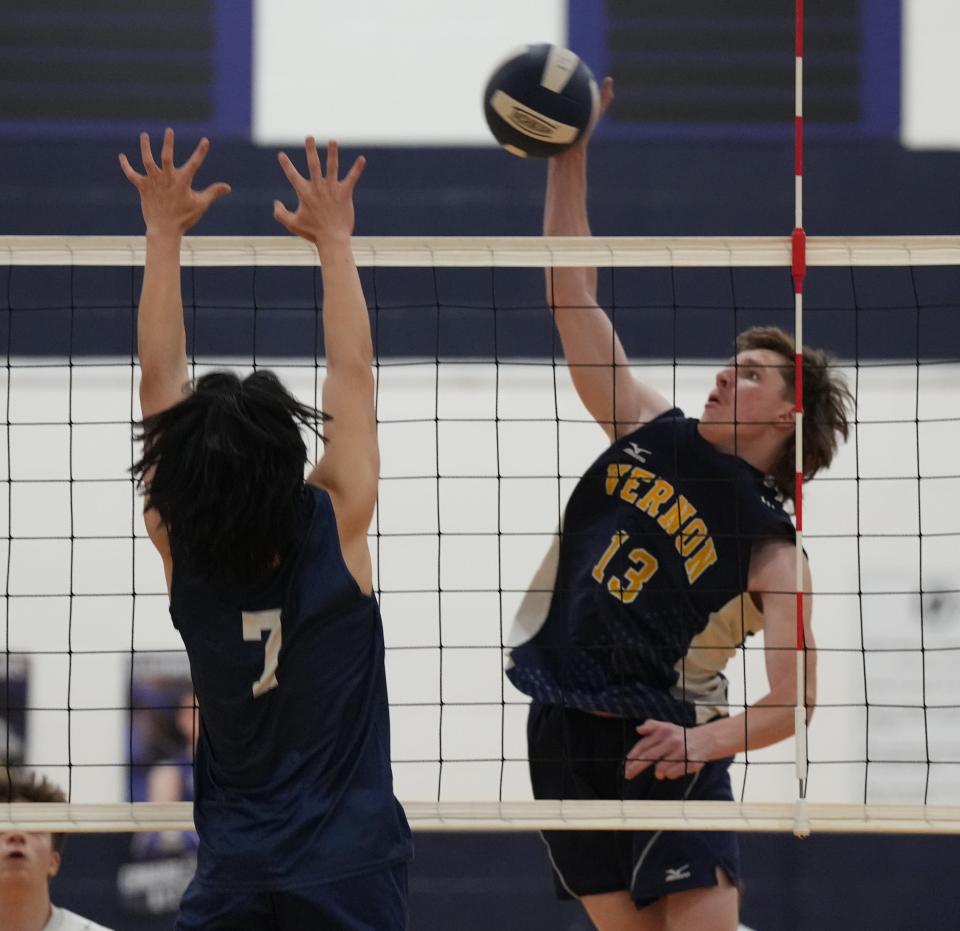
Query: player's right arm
(350, 468)
(595, 356)
(170, 207)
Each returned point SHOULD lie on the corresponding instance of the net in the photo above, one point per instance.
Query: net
(482, 440)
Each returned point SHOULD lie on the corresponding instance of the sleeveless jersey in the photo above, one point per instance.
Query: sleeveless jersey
(640, 601)
(292, 773)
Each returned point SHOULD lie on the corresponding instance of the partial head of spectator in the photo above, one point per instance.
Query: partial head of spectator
(30, 859)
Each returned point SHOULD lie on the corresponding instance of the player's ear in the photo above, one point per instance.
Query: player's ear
(53, 867)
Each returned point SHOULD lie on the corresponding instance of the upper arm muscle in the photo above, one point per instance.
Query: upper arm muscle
(773, 579)
(349, 469)
(160, 394)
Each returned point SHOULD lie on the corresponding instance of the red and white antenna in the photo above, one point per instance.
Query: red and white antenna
(799, 271)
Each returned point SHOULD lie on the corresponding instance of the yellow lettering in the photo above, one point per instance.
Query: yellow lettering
(701, 560)
(691, 537)
(629, 490)
(647, 565)
(653, 500)
(615, 471)
(678, 513)
(616, 541)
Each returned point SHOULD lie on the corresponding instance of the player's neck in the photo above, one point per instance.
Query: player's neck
(761, 450)
(25, 910)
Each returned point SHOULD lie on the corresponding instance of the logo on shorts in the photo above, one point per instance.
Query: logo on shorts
(677, 873)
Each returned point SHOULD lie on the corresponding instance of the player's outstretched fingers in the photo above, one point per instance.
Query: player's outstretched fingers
(606, 98)
(293, 176)
(314, 168)
(333, 160)
(215, 192)
(146, 154)
(132, 175)
(192, 164)
(283, 216)
(353, 175)
(166, 150)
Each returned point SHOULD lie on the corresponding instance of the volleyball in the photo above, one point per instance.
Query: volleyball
(540, 100)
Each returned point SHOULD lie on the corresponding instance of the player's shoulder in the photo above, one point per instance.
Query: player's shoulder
(63, 919)
(773, 560)
(657, 426)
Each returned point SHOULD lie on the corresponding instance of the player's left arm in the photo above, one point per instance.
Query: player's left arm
(350, 467)
(676, 750)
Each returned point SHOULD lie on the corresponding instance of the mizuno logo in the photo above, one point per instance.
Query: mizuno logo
(530, 124)
(680, 872)
(638, 452)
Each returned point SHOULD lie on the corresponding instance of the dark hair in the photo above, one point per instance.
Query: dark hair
(224, 470)
(826, 400)
(25, 786)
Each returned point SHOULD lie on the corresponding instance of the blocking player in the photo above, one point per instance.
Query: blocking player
(270, 585)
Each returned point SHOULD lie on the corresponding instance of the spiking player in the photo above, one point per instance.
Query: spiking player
(675, 546)
(270, 585)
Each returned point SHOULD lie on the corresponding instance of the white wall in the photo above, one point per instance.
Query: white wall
(382, 72)
(931, 74)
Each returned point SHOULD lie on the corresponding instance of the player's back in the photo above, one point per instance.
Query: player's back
(293, 779)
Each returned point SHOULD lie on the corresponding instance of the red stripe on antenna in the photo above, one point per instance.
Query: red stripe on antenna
(799, 29)
(798, 265)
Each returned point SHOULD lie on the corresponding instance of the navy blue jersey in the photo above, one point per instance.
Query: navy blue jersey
(292, 773)
(655, 545)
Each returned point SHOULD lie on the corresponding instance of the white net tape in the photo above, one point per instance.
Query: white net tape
(503, 252)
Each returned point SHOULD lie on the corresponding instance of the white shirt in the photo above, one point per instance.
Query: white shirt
(63, 920)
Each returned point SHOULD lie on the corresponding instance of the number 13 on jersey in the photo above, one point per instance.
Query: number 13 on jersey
(644, 567)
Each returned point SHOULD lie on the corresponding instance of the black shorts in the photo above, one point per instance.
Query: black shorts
(372, 901)
(576, 755)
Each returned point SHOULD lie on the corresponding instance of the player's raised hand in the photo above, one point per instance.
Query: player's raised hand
(580, 146)
(606, 98)
(324, 211)
(167, 198)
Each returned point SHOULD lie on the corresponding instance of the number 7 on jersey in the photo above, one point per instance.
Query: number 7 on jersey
(254, 624)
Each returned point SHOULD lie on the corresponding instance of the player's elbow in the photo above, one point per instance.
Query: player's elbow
(160, 389)
(354, 368)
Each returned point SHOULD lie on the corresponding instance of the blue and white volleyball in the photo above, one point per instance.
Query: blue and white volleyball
(540, 100)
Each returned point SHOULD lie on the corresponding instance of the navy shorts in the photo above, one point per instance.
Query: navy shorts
(576, 755)
(372, 901)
